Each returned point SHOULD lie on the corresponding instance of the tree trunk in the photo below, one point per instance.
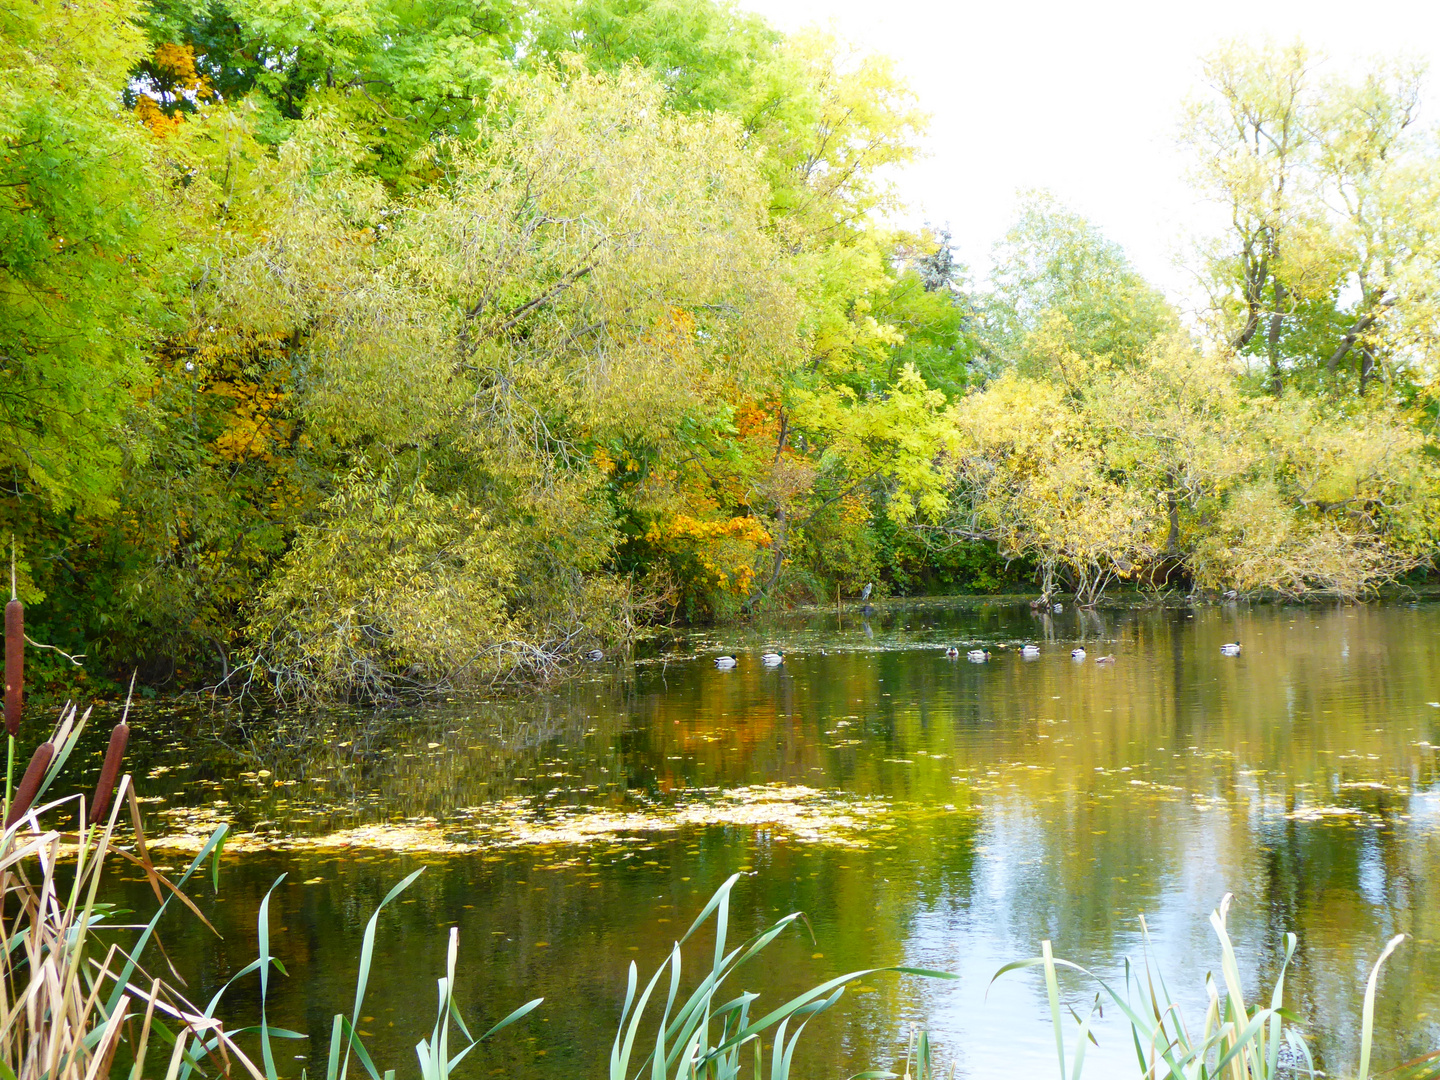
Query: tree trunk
(1277, 317)
(1172, 505)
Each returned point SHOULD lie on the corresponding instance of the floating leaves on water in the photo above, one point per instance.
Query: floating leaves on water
(800, 814)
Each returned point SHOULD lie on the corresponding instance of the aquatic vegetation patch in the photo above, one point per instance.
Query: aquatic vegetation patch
(791, 812)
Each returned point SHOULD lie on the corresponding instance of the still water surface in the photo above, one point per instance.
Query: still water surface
(983, 807)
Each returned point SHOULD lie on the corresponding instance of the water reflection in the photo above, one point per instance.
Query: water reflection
(1030, 799)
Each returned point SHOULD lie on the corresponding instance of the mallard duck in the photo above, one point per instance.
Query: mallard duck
(1077, 654)
(1104, 659)
(1230, 648)
(1030, 652)
(595, 655)
(1058, 608)
(725, 663)
(978, 656)
(951, 652)
(772, 659)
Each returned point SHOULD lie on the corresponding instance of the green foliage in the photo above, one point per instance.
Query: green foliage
(1061, 290)
(77, 279)
(381, 346)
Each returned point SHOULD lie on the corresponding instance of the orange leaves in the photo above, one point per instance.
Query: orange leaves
(723, 549)
(682, 526)
(169, 81)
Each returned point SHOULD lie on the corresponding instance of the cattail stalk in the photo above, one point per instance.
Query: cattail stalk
(14, 665)
(109, 772)
(14, 673)
(30, 783)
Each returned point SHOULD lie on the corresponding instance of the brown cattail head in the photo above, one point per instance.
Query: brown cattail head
(30, 783)
(14, 664)
(109, 772)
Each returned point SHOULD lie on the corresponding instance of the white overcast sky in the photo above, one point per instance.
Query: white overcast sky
(1083, 98)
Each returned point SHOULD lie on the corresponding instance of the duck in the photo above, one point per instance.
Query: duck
(725, 663)
(1030, 651)
(1230, 648)
(978, 656)
(1105, 659)
(1077, 654)
(951, 652)
(1058, 608)
(772, 659)
(595, 656)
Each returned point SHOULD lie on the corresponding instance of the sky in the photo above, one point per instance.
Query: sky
(1084, 99)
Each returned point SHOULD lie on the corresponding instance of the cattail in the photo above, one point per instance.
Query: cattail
(14, 664)
(30, 784)
(109, 772)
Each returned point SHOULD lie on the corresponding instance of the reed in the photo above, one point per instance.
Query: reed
(1234, 1041)
(68, 999)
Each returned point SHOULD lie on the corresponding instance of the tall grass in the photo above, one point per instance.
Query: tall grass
(1234, 1040)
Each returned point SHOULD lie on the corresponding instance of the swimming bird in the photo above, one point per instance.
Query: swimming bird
(978, 656)
(1104, 659)
(1030, 651)
(772, 659)
(1077, 654)
(725, 663)
(951, 652)
(594, 655)
(1230, 648)
(1058, 608)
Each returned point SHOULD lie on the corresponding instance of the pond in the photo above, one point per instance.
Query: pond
(918, 810)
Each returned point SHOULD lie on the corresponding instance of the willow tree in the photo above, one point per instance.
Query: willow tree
(594, 277)
(1330, 263)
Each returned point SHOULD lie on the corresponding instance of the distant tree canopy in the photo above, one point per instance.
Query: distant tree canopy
(370, 348)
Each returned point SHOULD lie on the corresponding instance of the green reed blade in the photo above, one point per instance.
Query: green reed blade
(262, 932)
(1367, 1013)
(518, 1014)
(362, 977)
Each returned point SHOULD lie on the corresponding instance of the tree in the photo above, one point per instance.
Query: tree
(1058, 284)
(78, 237)
(1331, 191)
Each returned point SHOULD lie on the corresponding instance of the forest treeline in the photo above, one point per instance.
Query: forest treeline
(360, 345)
